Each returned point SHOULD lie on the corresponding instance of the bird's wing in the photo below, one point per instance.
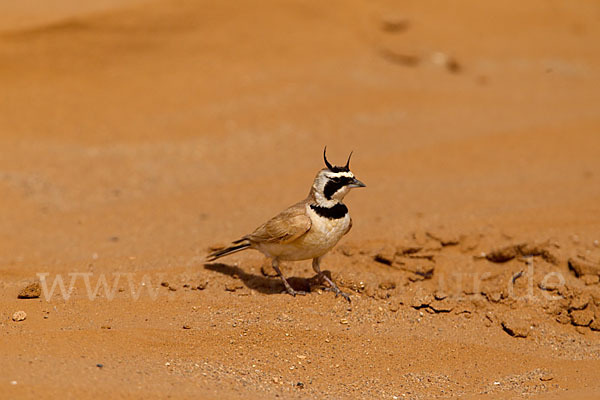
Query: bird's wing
(285, 227)
(349, 227)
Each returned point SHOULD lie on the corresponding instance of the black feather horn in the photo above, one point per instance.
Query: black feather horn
(325, 158)
(347, 166)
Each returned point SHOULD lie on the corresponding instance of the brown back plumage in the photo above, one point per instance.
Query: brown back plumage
(285, 227)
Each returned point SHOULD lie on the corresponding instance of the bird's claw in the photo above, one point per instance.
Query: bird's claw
(344, 295)
(334, 288)
(338, 292)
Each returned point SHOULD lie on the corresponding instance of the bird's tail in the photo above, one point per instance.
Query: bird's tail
(228, 250)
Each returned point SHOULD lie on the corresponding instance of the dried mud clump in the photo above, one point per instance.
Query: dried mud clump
(445, 238)
(508, 253)
(595, 324)
(421, 299)
(516, 326)
(580, 308)
(590, 279)
(442, 306)
(551, 284)
(412, 259)
(426, 260)
(582, 317)
(432, 303)
(419, 269)
(582, 267)
(31, 291)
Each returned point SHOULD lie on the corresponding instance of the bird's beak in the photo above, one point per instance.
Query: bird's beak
(356, 184)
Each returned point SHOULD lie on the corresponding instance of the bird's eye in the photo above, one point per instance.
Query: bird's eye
(341, 180)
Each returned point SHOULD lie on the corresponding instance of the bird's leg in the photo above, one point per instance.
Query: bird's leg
(316, 266)
(288, 288)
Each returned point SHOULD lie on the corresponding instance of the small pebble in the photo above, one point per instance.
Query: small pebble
(387, 285)
(444, 60)
(19, 316)
(546, 377)
(440, 295)
(232, 287)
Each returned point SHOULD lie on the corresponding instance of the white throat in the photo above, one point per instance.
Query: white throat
(322, 201)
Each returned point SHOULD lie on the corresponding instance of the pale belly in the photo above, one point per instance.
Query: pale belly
(322, 237)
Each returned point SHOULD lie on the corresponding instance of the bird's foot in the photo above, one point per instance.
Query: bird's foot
(344, 295)
(290, 290)
(338, 292)
(335, 289)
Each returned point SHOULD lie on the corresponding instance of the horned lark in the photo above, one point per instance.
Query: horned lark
(308, 229)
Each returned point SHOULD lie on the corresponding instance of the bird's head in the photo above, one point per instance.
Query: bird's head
(333, 183)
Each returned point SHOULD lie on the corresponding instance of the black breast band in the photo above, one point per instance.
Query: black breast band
(334, 212)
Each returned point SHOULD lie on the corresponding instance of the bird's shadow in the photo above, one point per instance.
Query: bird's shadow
(263, 284)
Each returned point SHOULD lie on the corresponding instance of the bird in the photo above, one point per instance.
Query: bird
(306, 230)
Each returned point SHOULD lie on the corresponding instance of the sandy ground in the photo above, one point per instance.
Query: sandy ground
(136, 135)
